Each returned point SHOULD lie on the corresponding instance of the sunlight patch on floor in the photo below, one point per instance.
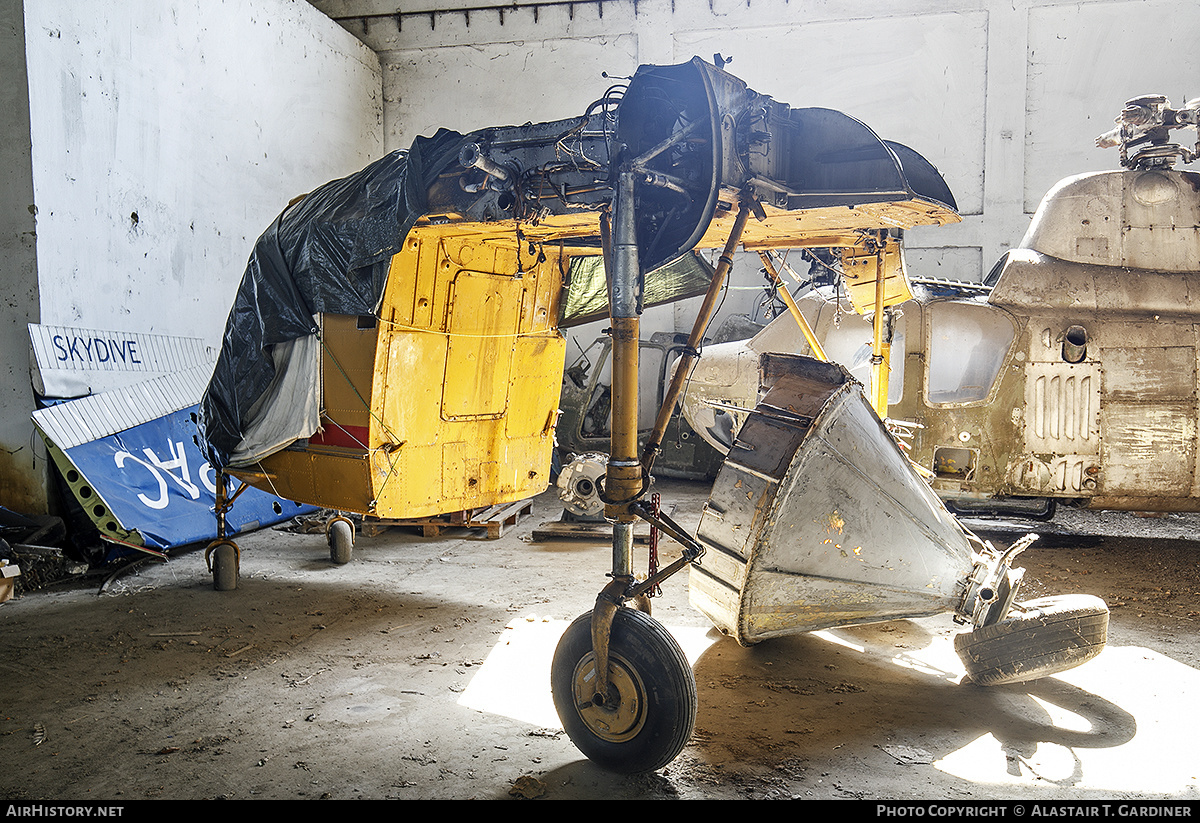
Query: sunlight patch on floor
(1116, 727)
(514, 680)
(1121, 733)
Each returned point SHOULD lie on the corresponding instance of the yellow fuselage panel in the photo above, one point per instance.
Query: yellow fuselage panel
(467, 373)
(447, 400)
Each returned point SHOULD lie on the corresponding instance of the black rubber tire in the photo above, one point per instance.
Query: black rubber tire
(1039, 638)
(225, 567)
(651, 710)
(341, 542)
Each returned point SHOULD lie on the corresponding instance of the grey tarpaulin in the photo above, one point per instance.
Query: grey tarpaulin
(329, 252)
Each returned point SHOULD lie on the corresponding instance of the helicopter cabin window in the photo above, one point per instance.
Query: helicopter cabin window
(968, 343)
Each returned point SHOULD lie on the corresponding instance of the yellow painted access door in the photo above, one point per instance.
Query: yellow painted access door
(467, 372)
(447, 400)
(485, 319)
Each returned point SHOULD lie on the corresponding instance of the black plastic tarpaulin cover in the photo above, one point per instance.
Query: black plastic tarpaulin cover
(327, 253)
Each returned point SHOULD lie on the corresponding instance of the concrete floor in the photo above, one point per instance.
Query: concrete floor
(420, 670)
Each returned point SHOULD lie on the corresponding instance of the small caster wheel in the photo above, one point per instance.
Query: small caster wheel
(224, 564)
(341, 540)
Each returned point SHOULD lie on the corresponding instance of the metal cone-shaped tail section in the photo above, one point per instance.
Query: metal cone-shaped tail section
(817, 518)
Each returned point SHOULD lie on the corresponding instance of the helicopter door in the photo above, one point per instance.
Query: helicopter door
(1149, 422)
(968, 344)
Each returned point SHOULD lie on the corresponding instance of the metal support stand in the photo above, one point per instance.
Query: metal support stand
(881, 344)
(810, 336)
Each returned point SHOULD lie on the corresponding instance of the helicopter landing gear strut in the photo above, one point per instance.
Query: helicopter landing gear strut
(623, 688)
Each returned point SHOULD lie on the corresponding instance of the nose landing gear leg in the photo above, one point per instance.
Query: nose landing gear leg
(623, 687)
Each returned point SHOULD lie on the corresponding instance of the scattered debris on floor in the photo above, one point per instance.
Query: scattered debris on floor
(528, 787)
(9, 571)
(31, 553)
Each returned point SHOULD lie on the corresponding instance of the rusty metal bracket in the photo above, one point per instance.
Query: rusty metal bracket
(216, 544)
(624, 588)
(338, 517)
(608, 602)
(693, 550)
(224, 502)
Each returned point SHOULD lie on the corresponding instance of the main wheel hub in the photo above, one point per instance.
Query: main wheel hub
(618, 717)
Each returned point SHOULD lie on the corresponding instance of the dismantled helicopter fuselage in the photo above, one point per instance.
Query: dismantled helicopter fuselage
(395, 351)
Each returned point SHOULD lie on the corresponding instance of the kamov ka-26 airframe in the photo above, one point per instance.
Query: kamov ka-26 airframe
(394, 351)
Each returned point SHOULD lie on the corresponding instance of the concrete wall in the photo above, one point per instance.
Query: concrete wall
(167, 136)
(163, 138)
(22, 475)
(1004, 96)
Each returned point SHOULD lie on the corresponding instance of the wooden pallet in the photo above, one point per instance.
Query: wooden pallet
(601, 532)
(495, 520)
